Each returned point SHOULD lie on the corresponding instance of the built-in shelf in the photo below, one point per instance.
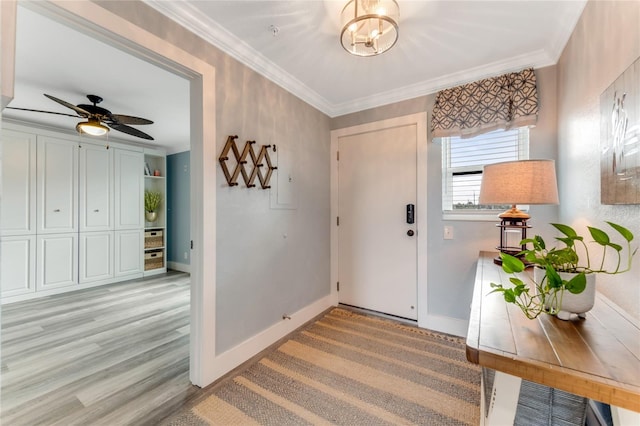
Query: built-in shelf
(155, 256)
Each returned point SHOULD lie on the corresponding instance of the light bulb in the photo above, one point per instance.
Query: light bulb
(92, 127)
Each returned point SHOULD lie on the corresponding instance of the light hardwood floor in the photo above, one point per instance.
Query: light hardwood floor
(113, 355)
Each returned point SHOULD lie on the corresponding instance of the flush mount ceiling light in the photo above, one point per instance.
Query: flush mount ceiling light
(369, 27)
(92, 127)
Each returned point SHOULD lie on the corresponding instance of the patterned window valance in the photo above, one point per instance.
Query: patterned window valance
(510, 100)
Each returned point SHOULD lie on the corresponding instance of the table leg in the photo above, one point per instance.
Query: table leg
(624, 417)
(504, 400)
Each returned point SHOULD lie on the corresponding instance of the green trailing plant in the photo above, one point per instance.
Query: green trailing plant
(152, 200)
(534, 298)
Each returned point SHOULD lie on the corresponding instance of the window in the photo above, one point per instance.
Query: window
(463, 160)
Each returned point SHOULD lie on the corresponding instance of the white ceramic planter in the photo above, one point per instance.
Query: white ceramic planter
(570, 303)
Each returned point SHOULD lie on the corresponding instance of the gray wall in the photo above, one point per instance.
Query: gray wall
(262, 274)
(604, 43)
(179, 208)
(452, 263)
(269, 261)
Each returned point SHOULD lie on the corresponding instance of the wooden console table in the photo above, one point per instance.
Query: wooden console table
(598, 357)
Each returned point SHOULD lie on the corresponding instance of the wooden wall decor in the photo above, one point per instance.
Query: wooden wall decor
(264, 177)
(230, 145)
(247, 163)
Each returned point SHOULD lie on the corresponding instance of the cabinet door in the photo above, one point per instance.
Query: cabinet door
(129, 192)
(96, 188)
(96, 256)
(17, 267)
(129, 252)
(18, 207)
(57, 210)
(57, 261)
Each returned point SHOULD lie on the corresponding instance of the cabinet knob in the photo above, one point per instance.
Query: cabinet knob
(56, 211)
(96, 211)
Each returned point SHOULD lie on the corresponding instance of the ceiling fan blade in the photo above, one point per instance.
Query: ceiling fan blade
(128, 119)
(39, 110)
(80, 111)
(129, 130)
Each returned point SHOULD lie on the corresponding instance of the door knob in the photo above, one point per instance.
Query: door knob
(410, 232)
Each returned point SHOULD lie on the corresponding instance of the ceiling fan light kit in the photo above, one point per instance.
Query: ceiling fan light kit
(92, 127)
(98, 118)
(369, 27)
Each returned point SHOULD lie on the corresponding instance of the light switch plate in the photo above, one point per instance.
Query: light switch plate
(448, 232)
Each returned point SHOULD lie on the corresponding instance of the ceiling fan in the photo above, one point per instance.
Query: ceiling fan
(96, 116)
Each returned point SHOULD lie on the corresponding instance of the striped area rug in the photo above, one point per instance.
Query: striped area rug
(349, 369)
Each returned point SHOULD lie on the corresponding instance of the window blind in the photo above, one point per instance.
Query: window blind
(464, 159)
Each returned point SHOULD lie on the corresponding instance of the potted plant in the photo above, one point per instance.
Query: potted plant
(563, 282)
(152, 200)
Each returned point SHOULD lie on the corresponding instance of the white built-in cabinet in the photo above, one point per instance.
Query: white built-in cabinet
(130, 187)
(129, 258)
(96, 188)
(57, 188)
(129, 214)
(18, 207)
(17, 265)
(18, 214)
(56, 261)
(96, 256)
(72, 212)
(56, 213)
(97, 195)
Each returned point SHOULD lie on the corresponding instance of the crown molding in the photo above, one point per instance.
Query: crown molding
(563, 34)
(193, 20)
(536, 59)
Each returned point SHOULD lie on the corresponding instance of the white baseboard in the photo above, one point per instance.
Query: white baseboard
(448, 325)
(73, 287)
(177, 266)
(235, 356)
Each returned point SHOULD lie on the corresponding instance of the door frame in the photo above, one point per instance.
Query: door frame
(420, 121)
(91, 19)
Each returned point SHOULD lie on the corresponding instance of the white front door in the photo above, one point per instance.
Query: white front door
(377, 247)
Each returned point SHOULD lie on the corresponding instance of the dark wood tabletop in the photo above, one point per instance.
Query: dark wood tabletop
(597, 357)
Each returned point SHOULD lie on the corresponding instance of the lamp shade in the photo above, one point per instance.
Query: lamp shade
(519, 182)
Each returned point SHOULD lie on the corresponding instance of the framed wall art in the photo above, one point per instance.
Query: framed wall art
(620, 139)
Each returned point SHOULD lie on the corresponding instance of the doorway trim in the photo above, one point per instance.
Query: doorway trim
(104, 25)
(420, 121)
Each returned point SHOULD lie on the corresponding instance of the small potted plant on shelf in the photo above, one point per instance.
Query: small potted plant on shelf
(152, 200)
(563, 282)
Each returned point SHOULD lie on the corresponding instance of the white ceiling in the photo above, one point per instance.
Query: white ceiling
(441, 44)
(54, 59)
